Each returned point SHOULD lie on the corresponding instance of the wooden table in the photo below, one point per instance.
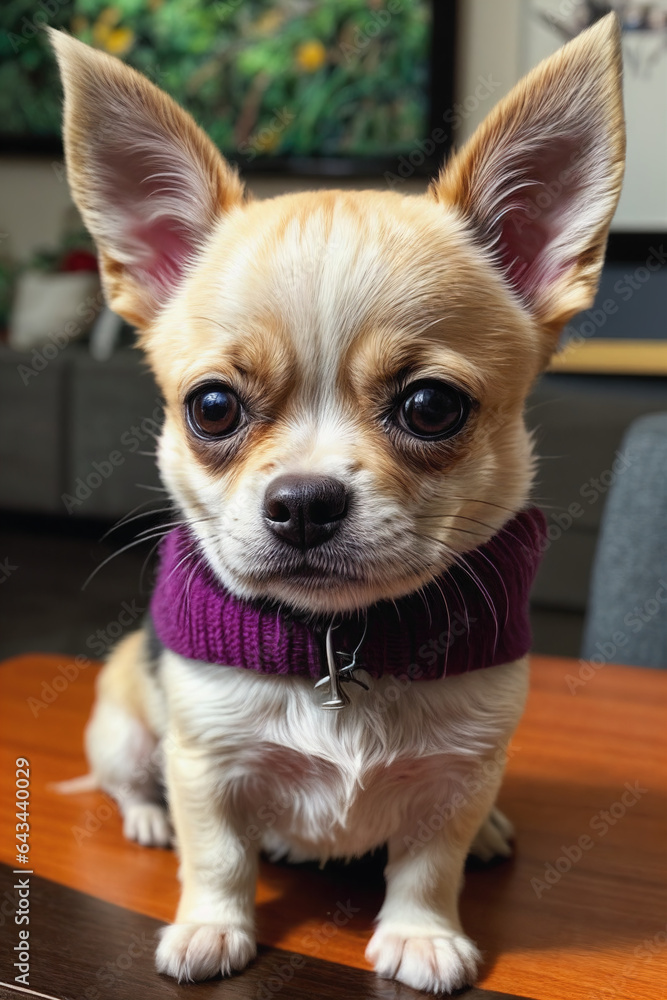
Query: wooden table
(579, 914)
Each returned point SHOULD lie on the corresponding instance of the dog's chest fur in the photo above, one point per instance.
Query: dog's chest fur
(321, 784)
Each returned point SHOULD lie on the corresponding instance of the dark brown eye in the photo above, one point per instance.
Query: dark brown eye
(214, 411)
(432, 410)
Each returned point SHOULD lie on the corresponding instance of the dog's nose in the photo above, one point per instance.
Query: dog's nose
(305, 510)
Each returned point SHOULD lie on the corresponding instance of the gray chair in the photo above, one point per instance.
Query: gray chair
(626, 620)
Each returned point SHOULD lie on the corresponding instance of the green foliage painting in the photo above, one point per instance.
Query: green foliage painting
(277, 77)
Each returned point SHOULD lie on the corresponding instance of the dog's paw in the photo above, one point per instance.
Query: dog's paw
(437, 963)
(494, 839)
(147, 823)
(192, 952)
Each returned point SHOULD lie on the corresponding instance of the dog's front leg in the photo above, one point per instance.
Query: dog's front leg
(419, 939)
(214, 929)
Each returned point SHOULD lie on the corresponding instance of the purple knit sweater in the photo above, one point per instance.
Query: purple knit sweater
(474, 615)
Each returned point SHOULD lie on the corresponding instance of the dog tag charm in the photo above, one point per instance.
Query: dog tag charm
(337, 697)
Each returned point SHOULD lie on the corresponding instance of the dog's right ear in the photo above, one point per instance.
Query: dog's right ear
(148, 182)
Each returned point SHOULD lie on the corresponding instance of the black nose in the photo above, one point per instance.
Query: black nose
(305, 510)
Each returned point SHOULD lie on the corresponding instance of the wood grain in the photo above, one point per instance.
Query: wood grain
(91, 949)
(600, 931)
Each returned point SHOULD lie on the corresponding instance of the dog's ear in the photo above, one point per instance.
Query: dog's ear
(148, 182)
(539, 180)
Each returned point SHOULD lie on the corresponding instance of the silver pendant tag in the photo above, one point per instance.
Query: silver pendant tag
(337, 697)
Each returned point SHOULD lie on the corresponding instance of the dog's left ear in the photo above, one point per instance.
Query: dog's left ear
(539, 180)
(148, 182)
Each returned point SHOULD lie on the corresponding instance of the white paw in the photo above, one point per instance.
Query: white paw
(147, 823)
(494, 839)
(439, 963)
(192, 952)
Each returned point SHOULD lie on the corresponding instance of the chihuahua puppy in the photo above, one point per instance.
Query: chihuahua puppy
(344, 376)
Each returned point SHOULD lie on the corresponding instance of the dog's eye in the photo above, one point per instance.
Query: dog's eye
(432, 410)
(214, 411)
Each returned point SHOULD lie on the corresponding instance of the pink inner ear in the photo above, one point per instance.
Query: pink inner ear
(165, 249)
(154, 193)
(533, 208)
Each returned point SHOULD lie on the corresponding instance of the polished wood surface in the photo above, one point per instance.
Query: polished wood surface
(91, 949)
(586, 778)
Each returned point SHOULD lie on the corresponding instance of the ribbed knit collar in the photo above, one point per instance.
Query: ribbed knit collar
(473, 616)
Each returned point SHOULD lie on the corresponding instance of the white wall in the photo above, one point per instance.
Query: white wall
(34, 201)
(490, 44)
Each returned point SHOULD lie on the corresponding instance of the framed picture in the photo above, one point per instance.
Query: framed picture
(296, 86)
(550, 23)
(626, 330)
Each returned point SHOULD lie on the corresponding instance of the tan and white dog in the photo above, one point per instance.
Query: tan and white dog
(382, 343)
